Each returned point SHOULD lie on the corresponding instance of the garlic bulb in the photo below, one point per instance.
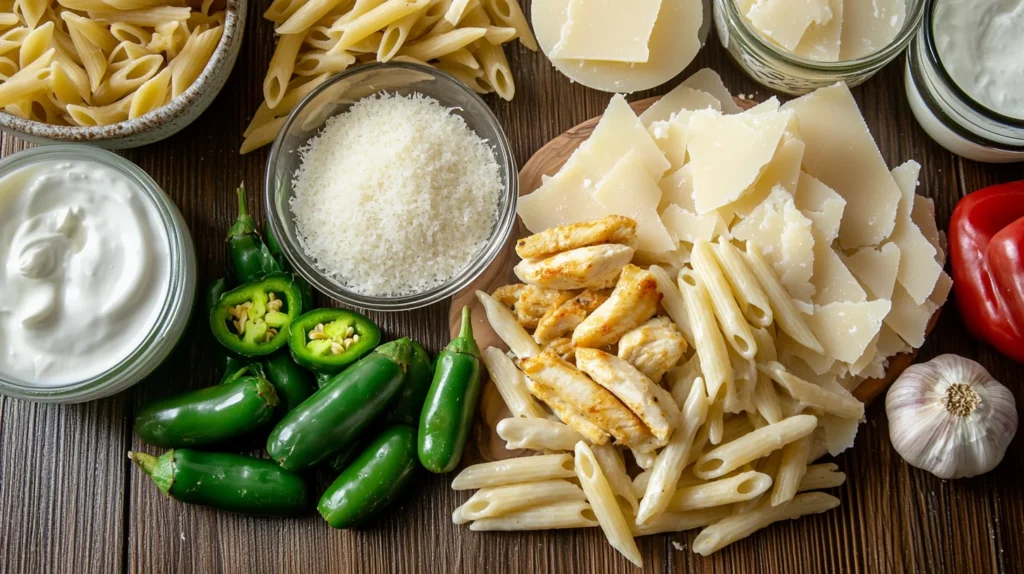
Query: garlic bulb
(950, 417)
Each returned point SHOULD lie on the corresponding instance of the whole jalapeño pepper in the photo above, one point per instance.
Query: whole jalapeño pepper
(328, 340)
(231, 482)
(448, 412)
(253, 320)
(208, 416)
(250, 257)
(292, 383)
(409, 402)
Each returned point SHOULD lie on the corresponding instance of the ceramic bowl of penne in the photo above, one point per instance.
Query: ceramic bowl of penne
(113, 73)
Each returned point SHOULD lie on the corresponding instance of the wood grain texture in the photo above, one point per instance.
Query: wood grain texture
(70, 503)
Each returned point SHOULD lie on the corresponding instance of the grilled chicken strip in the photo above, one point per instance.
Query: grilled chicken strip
(535, 302)
(634, 301)
(569, 415)
(653, 348)
(648, 401)
(554, 377)
(508, 295)
(567, 316)
(563, 348)
(610, 229)
(594, 267)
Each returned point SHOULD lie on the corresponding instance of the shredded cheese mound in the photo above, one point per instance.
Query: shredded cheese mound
(395, 196)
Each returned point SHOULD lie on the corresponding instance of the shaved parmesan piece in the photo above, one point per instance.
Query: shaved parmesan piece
(783, 170)
(942, 288)
(618, 133)
(876, 268)
(923, 216)
(890, 343)
(918, 269)
(832, 281)
(839, 433)
(819, 203)
(870, 26)
(867, 358)
(708, 80)
(785, 239)
(687, 226)
(680, 98)
(785, 21)
(670, 137)
(821, 42)
(561, 200)
(607, 30)
(908, 318)
(817, 363)
(629, 190)
(842, 154)
(677, 189)
(846, 329)
(672, 45)
(728, 153)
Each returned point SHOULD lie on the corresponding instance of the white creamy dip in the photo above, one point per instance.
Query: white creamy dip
(84, 270)
(981, 46)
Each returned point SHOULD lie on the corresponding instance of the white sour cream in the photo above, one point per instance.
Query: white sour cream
(981, 45)
(84, 270)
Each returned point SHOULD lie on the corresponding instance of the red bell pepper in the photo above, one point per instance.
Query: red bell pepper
(986, 245)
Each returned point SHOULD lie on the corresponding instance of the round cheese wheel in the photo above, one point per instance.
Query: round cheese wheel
(674, 43)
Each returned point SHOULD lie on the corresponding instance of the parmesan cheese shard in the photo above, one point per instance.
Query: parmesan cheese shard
(819, 203)
(784, 237)
(633, 301)
(890, 343)
(918, 270)
(942, 288)
(923, 216)
(688, 226)
(870, 26)
(630, 190)
(677, 189)
(785, 21)
(561, 200)
(617, 133)
(728, 153)
(839, 432)
(609, 229)
(783, 170)
(608, 30)
(680, 98)
(876, 268)
(832, 281)
(842, 154)
(708, 80)
(670, 136)
(909, 318)
(821, 42)
(594, 267)
(788, 349)
(846, 329)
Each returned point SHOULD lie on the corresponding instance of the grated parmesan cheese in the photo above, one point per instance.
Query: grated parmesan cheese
(395, 196)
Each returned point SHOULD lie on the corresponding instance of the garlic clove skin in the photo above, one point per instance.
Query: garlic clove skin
(950, 417)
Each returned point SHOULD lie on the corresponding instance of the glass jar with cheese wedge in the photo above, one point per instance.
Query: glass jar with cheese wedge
(798, 47)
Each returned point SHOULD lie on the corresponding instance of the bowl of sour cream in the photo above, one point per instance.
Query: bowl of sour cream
(97, 274)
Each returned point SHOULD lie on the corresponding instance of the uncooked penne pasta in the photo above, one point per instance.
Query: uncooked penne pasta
(145, 17)
(614, 468)
(262, 135)
(462, 57)
(281, 10)
(32, 79)
(316, 63)
(513, 470)
(672, 459)
(508, 13)
(507, 328)
(395, 36)
(745, 287)
(434, 47)
(681, 521)
(708, 340)
(187, 66)
(375, 20)
(843, 406)
(819, 476)
(101, 115)
(602, 501)
(150, 95)
(577, 514)
(511, 384)
(729, 490)
(791, 470)
(32, 11)
(753, 445)
(783, 310)
(36, 43)
(123, 32)
(537, 434)
(127, 79)
(732, 322)
(739, 526)
(282, 63)
(496, 69)
(306, 16)
(501, 500)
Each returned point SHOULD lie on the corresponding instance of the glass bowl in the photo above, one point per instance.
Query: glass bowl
(334, 97)
(777, 69)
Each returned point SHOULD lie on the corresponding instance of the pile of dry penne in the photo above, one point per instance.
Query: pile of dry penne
(723, 434)
(99, 62)
(318, 38)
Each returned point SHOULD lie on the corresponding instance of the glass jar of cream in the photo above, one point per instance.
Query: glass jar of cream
(965, 78)
(876, 32)
(97, 274)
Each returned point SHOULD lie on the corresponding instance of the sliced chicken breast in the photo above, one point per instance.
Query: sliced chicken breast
(595, 267)
(653, 348)
(610, 229)
(634, 301)
(563, 319)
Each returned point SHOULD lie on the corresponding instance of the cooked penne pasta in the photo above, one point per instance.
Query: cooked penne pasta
(681, 521)
(12, 39)
(751, 298)
(731, 321)
(281, 10)
(714, 358)
(819, 476)
(791, 470)
(672, 459)
(843, 406)
(602, 501)
(187, 66)
(127, 79)
(753, 445)
(614, 468)
(738, 526)
(716, 421)
(553, 516)
(513, 470)
(9, 19)
(737, 488)
(511, 384)
(36, 43)
(123, 32)
(145, 17)
(32, 11)
(783, 311)
(101, 115)
(736, 427)
(150, 95)
(507, 328)
(682, 378)
(30, 80)
(766, 401)
(502, 500)
(644, 459)
(568, 414)
(537, 434)
(8, 67)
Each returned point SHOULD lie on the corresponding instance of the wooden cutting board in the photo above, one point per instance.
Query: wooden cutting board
(547, 161)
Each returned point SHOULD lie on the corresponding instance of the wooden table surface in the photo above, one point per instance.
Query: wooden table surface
(70, 501)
